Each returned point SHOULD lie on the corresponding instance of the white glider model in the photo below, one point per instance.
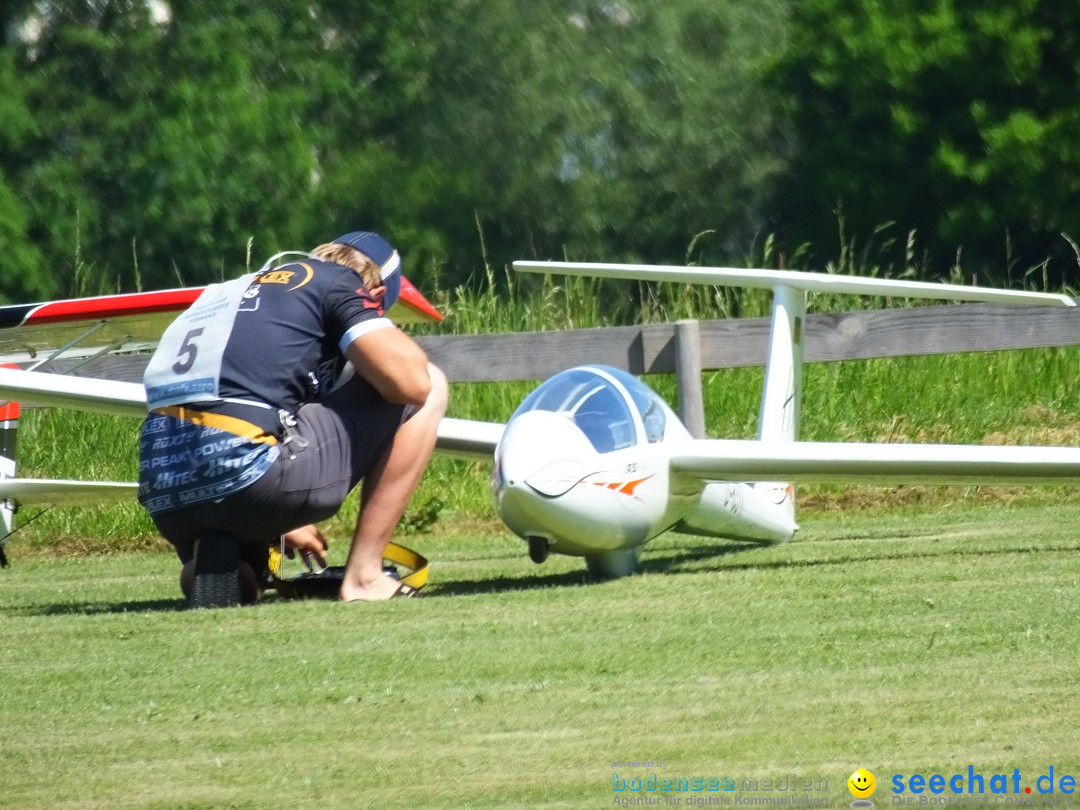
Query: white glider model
(595, 464)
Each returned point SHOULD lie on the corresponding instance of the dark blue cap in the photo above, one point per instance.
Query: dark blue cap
(385, 257)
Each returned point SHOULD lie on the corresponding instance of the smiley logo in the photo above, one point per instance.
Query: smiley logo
(861, 783)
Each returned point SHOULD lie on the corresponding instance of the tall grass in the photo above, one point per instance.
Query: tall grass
(1016, 397)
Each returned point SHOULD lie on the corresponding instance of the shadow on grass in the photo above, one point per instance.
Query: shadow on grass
(568, 579)
(581, 577)
(673, 563)
(99, 608)
(682, 561)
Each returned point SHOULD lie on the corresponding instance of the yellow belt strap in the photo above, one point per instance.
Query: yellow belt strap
(230, 424)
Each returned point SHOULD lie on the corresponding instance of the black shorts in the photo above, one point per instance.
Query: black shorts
(337, 440)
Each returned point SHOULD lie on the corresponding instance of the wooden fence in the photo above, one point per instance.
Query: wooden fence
(686, 348)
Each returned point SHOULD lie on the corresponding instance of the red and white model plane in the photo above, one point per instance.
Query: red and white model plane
(595, 464)
(41, 345)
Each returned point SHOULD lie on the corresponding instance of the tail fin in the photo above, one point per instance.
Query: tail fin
(9, 423)
(781, 394)
(778, 419)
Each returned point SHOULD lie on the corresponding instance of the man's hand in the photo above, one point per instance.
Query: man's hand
(307, 540)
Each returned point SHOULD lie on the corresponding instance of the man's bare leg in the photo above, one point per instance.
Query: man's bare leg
(387, 488)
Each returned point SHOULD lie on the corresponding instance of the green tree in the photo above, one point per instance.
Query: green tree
(603, 129)
(83, 70)
(582, 127)
(176, 141)
(384, 52)
(952, 117)
(24, 276)
(168, 143)
(229, 155)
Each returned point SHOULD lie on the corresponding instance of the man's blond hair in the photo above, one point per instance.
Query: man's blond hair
(348, 256)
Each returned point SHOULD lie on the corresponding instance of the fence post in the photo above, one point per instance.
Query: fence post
(688, 377)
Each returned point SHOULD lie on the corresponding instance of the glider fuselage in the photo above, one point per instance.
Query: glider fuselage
(584, 465)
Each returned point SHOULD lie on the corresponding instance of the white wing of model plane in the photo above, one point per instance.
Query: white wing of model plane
(461, 438)
(882, 464)
(799, 280)
(56, 491)
(457, 437)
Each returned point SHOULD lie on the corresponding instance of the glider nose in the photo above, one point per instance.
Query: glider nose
(541, 450)
(537, 461)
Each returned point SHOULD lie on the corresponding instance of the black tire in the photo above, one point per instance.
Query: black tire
(539, 548)
(217, 572)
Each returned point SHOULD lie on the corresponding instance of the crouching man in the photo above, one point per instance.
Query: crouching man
(257, 430)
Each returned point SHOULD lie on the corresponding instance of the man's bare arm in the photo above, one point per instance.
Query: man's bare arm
(392, 362)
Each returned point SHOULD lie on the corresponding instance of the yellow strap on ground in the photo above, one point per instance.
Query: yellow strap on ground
(410, 559)
(399, 555)
(230, 424)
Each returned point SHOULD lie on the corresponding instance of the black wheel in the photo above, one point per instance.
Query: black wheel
(539, 548)
(217, 572)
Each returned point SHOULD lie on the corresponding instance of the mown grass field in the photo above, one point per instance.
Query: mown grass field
(902, 640)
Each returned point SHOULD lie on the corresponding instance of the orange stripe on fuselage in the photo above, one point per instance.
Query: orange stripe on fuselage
(625, 487)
